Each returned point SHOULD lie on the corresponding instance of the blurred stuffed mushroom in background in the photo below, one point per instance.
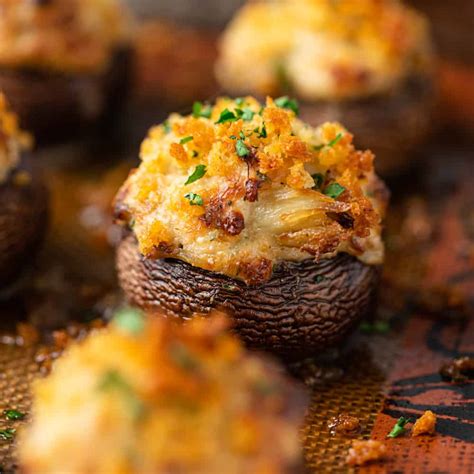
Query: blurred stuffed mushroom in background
(23, 200)
(244, 207)
(367, 64)
(64, 65)
(163, 398)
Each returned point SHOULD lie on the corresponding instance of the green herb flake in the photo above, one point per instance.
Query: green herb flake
(227, 116)
(167, 126)
(239, 101)
(334, 190)
(286, 103)
(330, 144)
(111, 381)
(399, 427)
(7, 434)
(248, 115)
(320, 278)
(318, 179)
(241, 148)
(377, 327)
(194, 199)
(13, 415)
(198, 173)
(199, 110)
(335, 140)
(181, 356)
(185, 140)
(130, 320)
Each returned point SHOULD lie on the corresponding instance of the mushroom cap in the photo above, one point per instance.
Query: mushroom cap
(303, 309)
(55, 106)
(392, 126)
(23, 217)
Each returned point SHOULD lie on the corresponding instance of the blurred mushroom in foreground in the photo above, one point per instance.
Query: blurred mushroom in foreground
(151, 395)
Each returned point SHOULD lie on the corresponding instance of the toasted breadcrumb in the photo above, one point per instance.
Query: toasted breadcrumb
(426, 424)
(365, 451)
(12, 139)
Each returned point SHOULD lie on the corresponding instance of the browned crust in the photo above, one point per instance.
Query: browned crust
(393, 126)
(23, 216)
(55, 107)
(303, 309)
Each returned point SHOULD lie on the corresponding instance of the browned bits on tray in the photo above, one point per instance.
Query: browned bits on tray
(425, 424)
(343, 424)
(366, 451)
(458, 370)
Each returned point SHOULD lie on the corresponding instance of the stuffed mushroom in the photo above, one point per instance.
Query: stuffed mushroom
(63, 64)
(23, 200)
(246, 208)
(159, 397)
(367, 64)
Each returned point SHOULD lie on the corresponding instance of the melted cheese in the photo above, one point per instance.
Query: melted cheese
(322, 49)
(65, 36)
(257, 209)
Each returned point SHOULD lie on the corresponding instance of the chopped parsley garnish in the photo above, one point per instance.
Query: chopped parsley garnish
(13, 415)
(186, 140)
(377, 327)
(334, 190)
(241, 148)
(335, 140)
(240, 101)
(113, 381)
(194, 199)
(198, 173)
(200, 111)
(183, 358)
(318, 179)
(330, 144)
(167, 126)
(286, 103)
(7, 434)
(130, 319)
(399, 427)
(248, 115)
(227, 116)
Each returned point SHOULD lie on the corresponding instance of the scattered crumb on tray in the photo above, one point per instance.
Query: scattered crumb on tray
(458, 370)
(425, 424)
(363, 452)
(343, 424)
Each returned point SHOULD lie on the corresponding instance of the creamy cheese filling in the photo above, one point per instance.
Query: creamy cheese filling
(243, 194)
(321, 49)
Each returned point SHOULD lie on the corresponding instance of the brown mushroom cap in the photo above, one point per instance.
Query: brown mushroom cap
(304, 308)
(54, 106)
(393, 126)
(23, 216)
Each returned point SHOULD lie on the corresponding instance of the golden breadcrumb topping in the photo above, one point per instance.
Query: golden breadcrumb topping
(426, 424)
(159, 397)
(12, 140)
(322, 49)
(61, 35)
(238, 187)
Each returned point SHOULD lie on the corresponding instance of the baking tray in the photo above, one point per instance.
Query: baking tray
(427, 298)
